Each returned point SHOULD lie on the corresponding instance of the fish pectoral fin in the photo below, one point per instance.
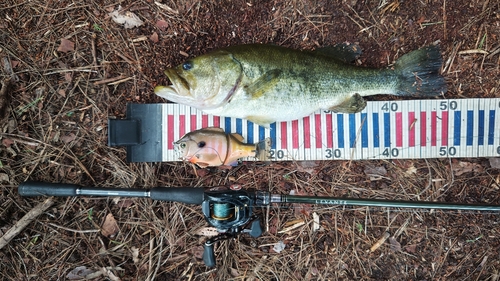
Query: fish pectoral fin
(354, 104)
(263, 83)
(238, 137)
(343, 51)
(202, 164)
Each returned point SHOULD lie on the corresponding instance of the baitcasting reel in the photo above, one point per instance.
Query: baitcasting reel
(229, 212)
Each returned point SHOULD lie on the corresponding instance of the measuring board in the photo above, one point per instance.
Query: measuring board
(383, 130)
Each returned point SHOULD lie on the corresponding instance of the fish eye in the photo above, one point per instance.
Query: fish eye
(187, 65)
(183, 145)
(201, 144)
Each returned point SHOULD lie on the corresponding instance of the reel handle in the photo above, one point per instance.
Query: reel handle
(209, 254)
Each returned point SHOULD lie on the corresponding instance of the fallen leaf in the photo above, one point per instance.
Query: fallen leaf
(495, 162)
(234, 272)
(307, 166)
(135, 254)
(154, 37)
(411, 170)
(109, 227)
(316, 224)
(4, 177)
(197, 251)
(375, 170)
(123, 203)
(463, 167)
(278, 247)
(412, 249)
(68, 76)
(162, 25)
(128, 19)
(62, 92)
(394, 244)
(79, 273)
(14, 63)
(66, 46)
(7, 142)
(68, 138)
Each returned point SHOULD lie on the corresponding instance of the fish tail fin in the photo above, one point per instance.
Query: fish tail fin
(419, 73)
(262, 149)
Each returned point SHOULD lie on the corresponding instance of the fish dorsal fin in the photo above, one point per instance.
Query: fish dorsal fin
(263, 83)
(343, 51)
(238, 137)
(353, 104)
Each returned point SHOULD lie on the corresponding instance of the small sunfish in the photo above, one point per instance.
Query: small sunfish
(213, 147)
(267, 83)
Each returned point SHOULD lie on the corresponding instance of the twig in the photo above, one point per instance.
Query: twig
(74, 230)
(4, 99)
(24, 221)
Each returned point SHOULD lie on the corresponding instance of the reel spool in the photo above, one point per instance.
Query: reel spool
(227, 212)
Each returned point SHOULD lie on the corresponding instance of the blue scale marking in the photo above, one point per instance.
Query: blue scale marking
(456, 122)
(239, 126)
(352, 130)
(273, 135)
(250, 132)
(387, 129)
(340, 130)
(376, 137)
(470, 127)
(262, 134)
(227, 125)
(491, 129)
(480, 137)
(364, 130)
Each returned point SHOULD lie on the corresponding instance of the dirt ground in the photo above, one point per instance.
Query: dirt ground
(72, 67)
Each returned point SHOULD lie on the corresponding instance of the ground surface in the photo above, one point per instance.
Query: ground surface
(73, 67)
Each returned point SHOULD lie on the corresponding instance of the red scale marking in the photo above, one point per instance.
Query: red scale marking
(204, 121)
(283, 135)
(423, 129)
(216, 121)
(444, 128)
(411, 126)
(307, 132)
(295, 134)
(317, 130)
(182, 125)
(433, 128)
(399, 129)
(170, 133)
(193, 123)
(329, 131)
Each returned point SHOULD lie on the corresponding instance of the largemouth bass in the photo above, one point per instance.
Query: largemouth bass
(267, 83)
(213, 147)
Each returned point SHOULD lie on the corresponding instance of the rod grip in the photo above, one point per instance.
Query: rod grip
(187, 195)
(33, 188)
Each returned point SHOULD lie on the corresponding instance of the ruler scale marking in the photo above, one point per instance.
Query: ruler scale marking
(384, 130)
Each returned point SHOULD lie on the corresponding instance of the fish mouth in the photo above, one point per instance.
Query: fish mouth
(179, 89)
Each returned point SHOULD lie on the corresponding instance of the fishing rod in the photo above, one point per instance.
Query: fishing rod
(230, 211)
